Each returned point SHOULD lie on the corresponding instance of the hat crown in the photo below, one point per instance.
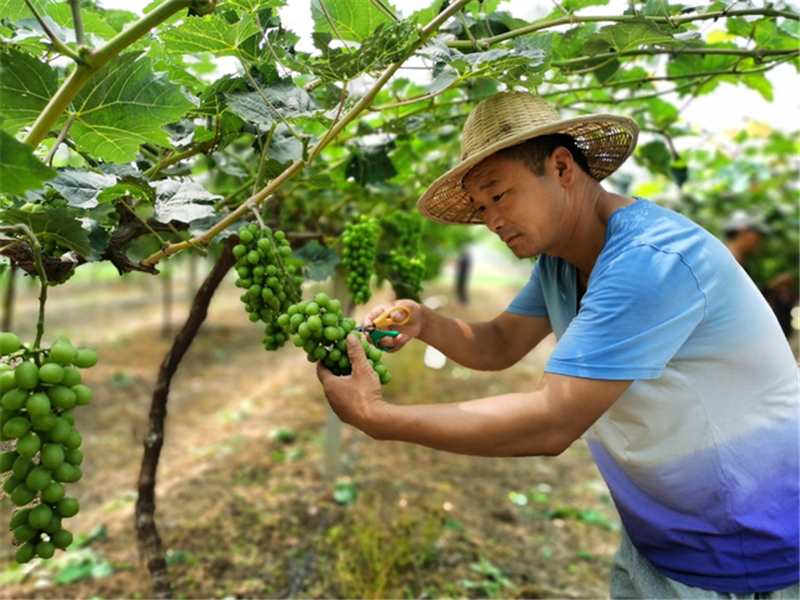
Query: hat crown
(501, 117)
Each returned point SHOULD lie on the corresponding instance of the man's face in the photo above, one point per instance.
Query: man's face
(516, 204)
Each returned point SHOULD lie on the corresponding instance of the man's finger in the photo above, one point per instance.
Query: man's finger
(355, 351)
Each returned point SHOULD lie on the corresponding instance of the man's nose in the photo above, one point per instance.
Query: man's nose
(493, 220)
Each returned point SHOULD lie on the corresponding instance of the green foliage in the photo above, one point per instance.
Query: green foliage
(163, 147)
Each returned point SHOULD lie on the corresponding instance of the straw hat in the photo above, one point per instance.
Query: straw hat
(510, 118)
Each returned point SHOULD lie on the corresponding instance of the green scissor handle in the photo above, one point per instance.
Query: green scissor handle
(378, 334)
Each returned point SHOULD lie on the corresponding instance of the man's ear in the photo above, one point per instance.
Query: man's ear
(564, 165)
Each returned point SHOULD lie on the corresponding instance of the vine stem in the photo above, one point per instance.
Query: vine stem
(300, 164)
(573, 19)
(57, 43)
(149, 539)
(37, 261)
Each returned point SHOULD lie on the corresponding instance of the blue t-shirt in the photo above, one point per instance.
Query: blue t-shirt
(702, 452)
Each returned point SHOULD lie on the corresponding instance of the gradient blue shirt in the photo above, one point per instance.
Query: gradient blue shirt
(702, 453)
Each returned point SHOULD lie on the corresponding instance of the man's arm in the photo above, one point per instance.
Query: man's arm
(486, 346)
(543, 422)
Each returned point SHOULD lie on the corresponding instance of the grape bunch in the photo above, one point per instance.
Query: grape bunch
(406, 260)
(37, 400)
(358, 256)
(319, 327)
(270, 285)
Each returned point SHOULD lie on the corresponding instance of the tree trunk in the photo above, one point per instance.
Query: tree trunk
(166, 303)
(149, 540)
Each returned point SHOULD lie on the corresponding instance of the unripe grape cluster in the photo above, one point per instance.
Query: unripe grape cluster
(358, 256)
(406, 260)
(319, 327)
(270, 285)
(37, 399)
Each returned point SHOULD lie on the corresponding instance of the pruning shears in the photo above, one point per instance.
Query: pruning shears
(376, 329)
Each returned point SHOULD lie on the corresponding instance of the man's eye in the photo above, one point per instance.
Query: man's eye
(497, 197)
(480, 209)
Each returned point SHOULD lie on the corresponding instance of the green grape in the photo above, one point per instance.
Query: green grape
(67, 507)
(37, 405)
(52, 455)
(51, 373)
(45, 549)
(63, 352)
(19, 518)
(60, 431)
(38, 478)
(9, 343)
(62, 397)
(16, 427)
(25, 553)
(11, 483)
(35, 410)
(319, 327)
(40, 516)
(26, 375)
(14, 399)
(22, 495)
(7, 460)
(29, 444)
(61, 539)
(85, 358)
(24, 532)
(271, 285)
(53, 492)
(22, 466)
(358, 256)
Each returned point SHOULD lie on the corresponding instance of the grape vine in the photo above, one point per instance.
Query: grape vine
(40, 388)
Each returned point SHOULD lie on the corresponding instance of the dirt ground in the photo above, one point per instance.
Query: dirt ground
(255, 501)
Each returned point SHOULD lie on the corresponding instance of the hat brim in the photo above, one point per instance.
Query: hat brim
(606, 140)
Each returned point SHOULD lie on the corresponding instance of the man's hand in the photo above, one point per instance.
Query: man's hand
(353, 397)
(409, 331)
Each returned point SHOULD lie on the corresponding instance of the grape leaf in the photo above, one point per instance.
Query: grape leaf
(352, 20)
(80, 188)
(284, 149)
(627, 36)
(124, 105)
(183, 201)
(20, 170)
(283, 99)
(388, 43)
(14, 10)
(28, 85)
(212, 33)
(56, 223)
(320, 260)
(61, 13)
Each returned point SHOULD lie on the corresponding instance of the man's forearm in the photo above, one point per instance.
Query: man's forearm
(478, 346)
(508, 425)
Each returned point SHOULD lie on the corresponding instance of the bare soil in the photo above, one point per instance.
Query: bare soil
(254, 500)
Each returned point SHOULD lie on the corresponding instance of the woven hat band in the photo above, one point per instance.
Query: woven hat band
(501, 117)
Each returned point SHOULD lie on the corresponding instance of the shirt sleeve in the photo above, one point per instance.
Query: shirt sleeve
(636, 314)
(530, 300)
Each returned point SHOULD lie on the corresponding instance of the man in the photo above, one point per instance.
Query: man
(668, 362)
(743, 235)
